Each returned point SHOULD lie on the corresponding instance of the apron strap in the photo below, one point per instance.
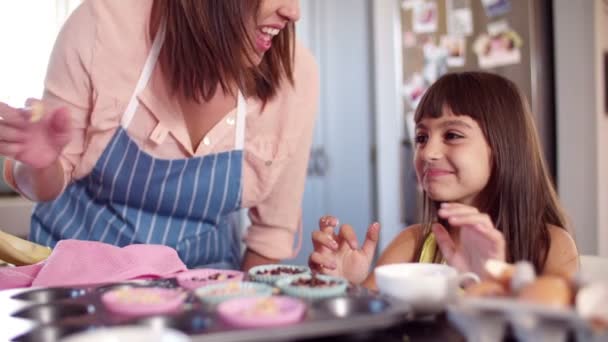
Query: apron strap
(145, 75)
(241, 113)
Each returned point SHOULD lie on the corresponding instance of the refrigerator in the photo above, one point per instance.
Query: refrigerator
(512, 38)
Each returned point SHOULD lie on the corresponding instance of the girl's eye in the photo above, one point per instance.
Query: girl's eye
(421, 139)
(452, 136)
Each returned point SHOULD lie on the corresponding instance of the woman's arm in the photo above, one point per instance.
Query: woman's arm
(252, 259)
(276, 218)
(39, 185)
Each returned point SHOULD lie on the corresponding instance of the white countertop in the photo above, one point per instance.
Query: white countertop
(15, 213)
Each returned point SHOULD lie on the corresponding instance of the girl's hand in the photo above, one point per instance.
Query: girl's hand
(339, 254)
(32, 135)
(479, 239)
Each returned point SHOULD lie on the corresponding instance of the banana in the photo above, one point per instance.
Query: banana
(19, 252)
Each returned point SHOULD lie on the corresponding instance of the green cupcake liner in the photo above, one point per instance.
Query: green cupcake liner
(313, 293)
(217, 293)
(272, 279)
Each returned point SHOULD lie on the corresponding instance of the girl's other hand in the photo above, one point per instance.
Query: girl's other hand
(33, 135)
(339, 254)
(478, 239)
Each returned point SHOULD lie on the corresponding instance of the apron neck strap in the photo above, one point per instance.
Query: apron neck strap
(241, 113)
(145, 75)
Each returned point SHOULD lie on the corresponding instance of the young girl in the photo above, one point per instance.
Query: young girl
(487, 192)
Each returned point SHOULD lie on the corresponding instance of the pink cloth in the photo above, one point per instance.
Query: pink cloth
(76, 262)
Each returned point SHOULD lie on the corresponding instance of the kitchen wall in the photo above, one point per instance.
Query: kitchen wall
(581, 39)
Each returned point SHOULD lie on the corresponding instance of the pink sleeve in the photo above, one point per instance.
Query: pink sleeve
(68, 82)
(276, 220)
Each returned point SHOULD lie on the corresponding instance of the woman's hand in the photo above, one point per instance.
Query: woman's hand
(339, 254)
(32, 135)
(478, 241)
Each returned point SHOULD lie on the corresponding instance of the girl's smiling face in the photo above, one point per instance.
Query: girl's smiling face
(452, 158)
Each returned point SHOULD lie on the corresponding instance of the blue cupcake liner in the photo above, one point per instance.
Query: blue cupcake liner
(217, 293)
(272, 279)
(313, 293)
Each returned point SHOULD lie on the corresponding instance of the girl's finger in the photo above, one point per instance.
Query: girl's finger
(445, 212)
(328, 223)
(322, 240)
(454, 205)
(323, 261)
(470, 220)
(347, 233)
(10, 134)
(371, 239)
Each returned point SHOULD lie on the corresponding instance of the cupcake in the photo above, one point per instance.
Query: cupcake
(261, 312)
(271, 273)
(217, 293)
(313, 286)
(201, 277)
(143, 300)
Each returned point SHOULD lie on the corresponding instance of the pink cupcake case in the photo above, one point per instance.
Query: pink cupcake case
(194, 279)
(143, 300)
(253, 312)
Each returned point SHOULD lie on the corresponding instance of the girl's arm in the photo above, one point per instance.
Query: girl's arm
(401, 249)
(563, 256)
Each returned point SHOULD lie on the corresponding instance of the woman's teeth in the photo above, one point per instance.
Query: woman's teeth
(270, 31)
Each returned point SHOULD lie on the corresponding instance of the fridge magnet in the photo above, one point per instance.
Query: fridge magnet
(498, 48)
(460, 18)
(495, 8)
(455, 49)
(413, 89)
(425, 17)
(409, 39)
(435, 61)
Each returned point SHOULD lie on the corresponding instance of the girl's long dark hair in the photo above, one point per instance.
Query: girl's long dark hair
(520, 196)
(208, 45)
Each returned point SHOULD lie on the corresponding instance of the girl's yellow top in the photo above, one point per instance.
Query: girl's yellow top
(429, 250)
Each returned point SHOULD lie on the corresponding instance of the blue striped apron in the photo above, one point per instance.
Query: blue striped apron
(132, 197)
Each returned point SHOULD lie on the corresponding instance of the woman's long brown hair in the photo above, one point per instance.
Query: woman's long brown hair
(208, 45)
(520, 196)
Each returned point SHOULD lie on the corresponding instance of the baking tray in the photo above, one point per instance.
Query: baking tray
(491, 319)
(49, 314)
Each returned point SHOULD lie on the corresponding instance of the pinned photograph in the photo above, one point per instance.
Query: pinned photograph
(409, 4)
(499, 47)
(456, 50)
(435, 61)
(459, 18)
(495, 8)
(425, 17)
(413, 89)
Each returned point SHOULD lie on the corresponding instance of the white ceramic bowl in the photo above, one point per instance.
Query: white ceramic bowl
(428, 288)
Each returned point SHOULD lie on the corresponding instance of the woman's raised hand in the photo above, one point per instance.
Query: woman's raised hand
(479, 240)
(339, 254)
(33, 135)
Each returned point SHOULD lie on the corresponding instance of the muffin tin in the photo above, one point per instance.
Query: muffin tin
(50, 314)
(490, 319)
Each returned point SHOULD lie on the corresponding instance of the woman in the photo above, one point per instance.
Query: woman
(142, 143)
